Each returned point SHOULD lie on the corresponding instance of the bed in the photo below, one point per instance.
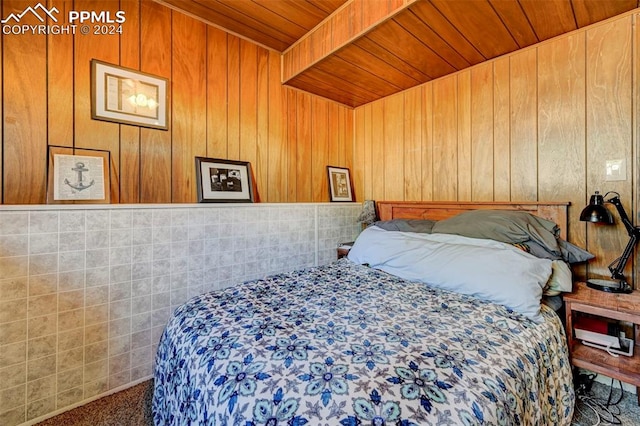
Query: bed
(352, 344)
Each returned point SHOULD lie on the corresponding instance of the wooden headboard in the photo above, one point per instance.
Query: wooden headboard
(438, 210)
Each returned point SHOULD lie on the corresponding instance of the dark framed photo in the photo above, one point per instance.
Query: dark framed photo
(223, 181)
(124, 95)
(340, 184)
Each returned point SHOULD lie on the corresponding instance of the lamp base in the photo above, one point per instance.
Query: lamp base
(609, 286)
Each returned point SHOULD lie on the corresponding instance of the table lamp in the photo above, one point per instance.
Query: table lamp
(596, 212)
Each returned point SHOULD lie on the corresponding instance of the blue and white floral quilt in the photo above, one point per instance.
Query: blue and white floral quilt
(343, 344)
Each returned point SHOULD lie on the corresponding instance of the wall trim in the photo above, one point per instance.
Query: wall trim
(44, 207)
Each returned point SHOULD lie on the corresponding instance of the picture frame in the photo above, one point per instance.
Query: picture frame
(124, 95)
(78, 176)
(340, 188)
(223, 181)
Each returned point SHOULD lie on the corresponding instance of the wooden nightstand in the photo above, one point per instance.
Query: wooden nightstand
(621, 307)
(343, 249)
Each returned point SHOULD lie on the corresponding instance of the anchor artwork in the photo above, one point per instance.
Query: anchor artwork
(79, 184)
(78, 177)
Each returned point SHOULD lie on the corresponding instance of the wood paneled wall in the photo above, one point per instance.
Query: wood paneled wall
(226, 101)
(538, 124)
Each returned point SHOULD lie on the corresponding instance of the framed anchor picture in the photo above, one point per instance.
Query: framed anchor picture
(78, 176)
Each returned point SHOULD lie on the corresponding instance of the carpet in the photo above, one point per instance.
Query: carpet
(589, 409)
(132, 407)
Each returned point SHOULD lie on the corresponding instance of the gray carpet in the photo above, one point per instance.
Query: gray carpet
(626, 413)
(132, 407)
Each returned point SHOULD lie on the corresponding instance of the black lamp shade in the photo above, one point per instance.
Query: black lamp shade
(596, 212)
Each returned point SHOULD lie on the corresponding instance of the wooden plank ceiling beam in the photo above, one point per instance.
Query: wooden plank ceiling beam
(338, 30)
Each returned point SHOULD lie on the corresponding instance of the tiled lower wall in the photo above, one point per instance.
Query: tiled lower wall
(85, 292)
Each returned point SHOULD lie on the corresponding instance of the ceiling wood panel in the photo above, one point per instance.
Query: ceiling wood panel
(330, 49)
(275, 24)
(412, 24)
(327, 6)
(364, 78)
(367, 60)
(261, 17)
(342, 93)
(411, 49)
(445, 29)
(590, 11)
(479, 23)
(389, 57)
(512, 14)
(305, 14)
(553, 18)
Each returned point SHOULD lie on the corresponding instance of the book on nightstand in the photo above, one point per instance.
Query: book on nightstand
(346, 246)
(602, 334)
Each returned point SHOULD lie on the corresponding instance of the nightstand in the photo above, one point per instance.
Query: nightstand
(621, 307)
(343, 249)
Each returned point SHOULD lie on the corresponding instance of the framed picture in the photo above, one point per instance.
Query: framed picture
(78, 176)
(127, 96)
(223, 181)
(339, 184)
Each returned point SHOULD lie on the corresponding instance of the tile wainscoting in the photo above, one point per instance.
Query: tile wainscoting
(85, 291)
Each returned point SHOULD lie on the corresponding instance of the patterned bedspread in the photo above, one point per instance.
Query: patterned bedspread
(343, 344)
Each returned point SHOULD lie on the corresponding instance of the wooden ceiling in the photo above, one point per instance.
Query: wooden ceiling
(368, 49)
(275, 24)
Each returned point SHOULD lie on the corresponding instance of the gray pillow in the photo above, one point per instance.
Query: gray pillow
(538, 250)
(572, 253)
(509, 226)
(422, 226)
(568, 252)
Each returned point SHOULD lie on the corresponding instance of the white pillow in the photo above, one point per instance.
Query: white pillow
(486, 269)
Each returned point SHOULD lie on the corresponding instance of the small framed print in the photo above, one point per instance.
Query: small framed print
(127, 96)
(223, 181)
(339, 184)
(78, 176)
